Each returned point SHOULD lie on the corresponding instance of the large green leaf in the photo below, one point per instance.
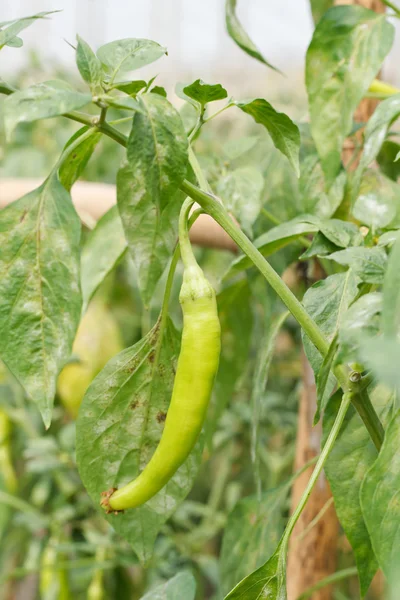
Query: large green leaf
(276, 238)
(326, 302)
(240, 191)
(147, 188)
(378, 200)
(284, 133)
(88, 64)
(129, 54)
(382, 357)
(315, 199)
(252, 533)
(346, 52)
(391, 293)
(40, 292)
(368, 263)
(17, 25)
(352, 455)
(41, 101)
(72, 167)
(380, 501)
(120, 424)
(267, 582)
(239, 35)
(376, 130)
(180, 587)
(103, 248)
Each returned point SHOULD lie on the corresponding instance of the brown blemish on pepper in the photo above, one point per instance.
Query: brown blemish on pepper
(161, 416)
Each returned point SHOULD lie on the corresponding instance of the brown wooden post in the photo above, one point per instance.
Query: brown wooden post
(313, 556)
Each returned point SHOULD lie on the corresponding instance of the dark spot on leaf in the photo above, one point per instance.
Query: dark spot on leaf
(74, 155)
(151, 356)
(23, 215)
(161, 416)
(134, 404)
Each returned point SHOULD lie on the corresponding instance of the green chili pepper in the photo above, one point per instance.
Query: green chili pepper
(7, 473)
(195, 374)
(53, 579)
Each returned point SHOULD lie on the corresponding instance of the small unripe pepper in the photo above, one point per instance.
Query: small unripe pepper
(194, 379)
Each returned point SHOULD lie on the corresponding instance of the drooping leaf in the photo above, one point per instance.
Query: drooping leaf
(268, 581)
(252, 533)
(75, 163)
(352, 454)
(319, 8)
(40, 293)
(322, 378)
(320, 246)
(369, 264)
(363, 317)
(326, 302)
(345, 54)
(240, 190)
(183, 585)
(380, 501)
(284, 133)
(341, 233)
(239, 35)
(16, 26)
(391, 293)
(131, 87)
(376, 130)
(103, 248)
(386, 159)
(378, 200)
(203, 92)
(88, 64)
(276, 238)
(41, 101)
(119, 426)
(147, 188)
(129, 54)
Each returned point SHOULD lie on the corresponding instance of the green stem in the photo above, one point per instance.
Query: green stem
(334, 578)
(202, 181)
(186, 250)
(219, 214)
(218, 112)
(318, 468)
(392, 6)
(69, 149)
(363, 405)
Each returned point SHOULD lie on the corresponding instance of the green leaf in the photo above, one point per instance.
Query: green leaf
(72, 168)
(341, 233)
(132, 88)
(391, 293)
(239, 35)
(382, 357)
(322, 378)
(363, 317)
(386, 159)
(16, 42)
(352, 455)
(320, 246)
(345, 54)
(88, 64)
(240, 191)
(376, 130)
(204, 93)
(284, 133)
(367, 263)
(319, 8)
(183, 585)
(103, 248)
(17, 25)
(314, 197)
(377, 200)
(158, 89)
(326, 302)
(276, 238)
(268, 581)
(128, 55)
(41, 101)
(388, 238)
(40, 293)
(236, 317)
(147, 186)
(252, 532)
(119, 427)
(380, 500)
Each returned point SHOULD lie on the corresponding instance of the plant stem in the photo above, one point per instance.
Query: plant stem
(392, 6)
(363, 405)
(219, 214)
(218, 112)
(334, 578)
(187, 255)
(318, 468)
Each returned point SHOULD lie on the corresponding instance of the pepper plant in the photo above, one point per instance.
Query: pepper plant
(346, 219)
